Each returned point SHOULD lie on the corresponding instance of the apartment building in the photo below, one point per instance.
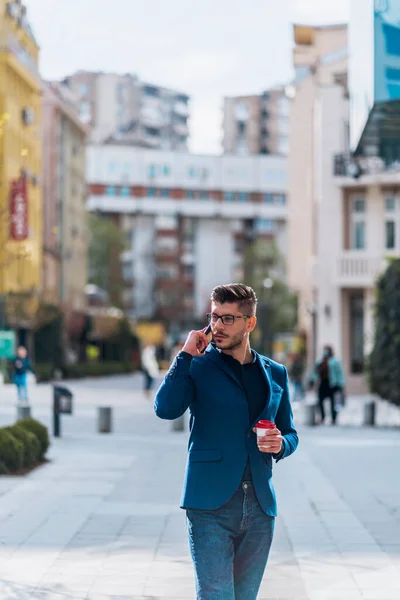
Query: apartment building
(124, 109)
(187, 219)
(64, 274)
(257, 124)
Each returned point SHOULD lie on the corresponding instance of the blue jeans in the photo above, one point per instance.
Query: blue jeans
(230, 546)
(21, 381)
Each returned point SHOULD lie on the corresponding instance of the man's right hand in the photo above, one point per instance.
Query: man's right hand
(196, 343)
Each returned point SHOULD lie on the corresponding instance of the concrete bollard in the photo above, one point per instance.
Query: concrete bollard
(369, 413)
(23, 412)
(309, 415)
(104, 423)
(178, 424)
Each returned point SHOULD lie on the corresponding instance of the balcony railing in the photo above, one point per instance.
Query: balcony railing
(356, 269)
(345, 165)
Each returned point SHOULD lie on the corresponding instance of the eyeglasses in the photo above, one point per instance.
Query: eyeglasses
(225, 319)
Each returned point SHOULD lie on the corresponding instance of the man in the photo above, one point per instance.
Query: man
(328, 373)
(228, 493)
(21, 366)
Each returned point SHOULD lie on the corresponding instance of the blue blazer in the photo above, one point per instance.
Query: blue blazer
(221, 439)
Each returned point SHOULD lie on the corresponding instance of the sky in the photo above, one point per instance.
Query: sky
(206, 48)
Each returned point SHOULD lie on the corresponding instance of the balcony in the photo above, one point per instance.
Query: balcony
(181, 109)
(358, 270)
(345, 165)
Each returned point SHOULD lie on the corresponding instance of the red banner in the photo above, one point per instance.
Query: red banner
(18, 210)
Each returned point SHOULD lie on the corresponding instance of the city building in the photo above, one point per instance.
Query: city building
(257, 124)
(124, 109)
(65, 236)
(318, 130)
(374, 78)
(20, 171)
(187, 219)
(360, 188)
(344, 184)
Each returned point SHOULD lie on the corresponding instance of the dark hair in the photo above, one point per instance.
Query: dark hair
(238, 293)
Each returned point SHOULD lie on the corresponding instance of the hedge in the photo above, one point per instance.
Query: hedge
(22, 445)
(11, 451)
(384, 361)
(89, 369)
(31, 444)
(40, 431)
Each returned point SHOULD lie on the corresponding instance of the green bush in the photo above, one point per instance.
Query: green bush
(40, 432)
(89, 369)
(383, 363)
(11, 451)
(97, 369)
(30, 442)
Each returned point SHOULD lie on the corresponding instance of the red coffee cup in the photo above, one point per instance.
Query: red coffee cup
(262, 427)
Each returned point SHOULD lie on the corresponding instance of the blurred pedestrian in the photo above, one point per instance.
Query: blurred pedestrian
(21, 366)
(328, 374)
(149, 367)
(296, 373)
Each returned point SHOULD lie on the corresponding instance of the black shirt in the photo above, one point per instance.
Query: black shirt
(253, 382)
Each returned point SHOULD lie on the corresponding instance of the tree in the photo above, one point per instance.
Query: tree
(276, 303)
(105, 248)
(383, 364)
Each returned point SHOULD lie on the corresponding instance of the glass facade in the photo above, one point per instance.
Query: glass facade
(374, 59)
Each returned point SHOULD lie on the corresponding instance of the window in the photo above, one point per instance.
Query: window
(359, 205)
(356, 304)
(228, 196)
(166, 170)
(111, 190)
(151, 192)
(190, 194)
(192, 172)
(125, 190)
(265, 225)
(390, 204)
(165, 193)
(151, 170)
(390, 235)
(359, 235)
(85, 112)
(112, 167)
(204, 195)
(392, 222)
(243, 197)
(358, 224)
(268, 198)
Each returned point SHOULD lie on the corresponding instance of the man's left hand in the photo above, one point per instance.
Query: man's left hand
(271, 442)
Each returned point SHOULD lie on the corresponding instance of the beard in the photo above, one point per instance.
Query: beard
(231, 342)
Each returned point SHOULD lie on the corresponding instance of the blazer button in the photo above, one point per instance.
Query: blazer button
(249, 435)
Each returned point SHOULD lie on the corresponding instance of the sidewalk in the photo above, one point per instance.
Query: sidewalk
(102, 520)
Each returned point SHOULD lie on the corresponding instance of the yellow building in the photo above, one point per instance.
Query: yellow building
(20, 166)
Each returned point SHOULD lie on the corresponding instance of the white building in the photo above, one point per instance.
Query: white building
(187, 218)
(344, 213)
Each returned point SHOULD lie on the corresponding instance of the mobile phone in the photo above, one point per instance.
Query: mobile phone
(207, 332)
